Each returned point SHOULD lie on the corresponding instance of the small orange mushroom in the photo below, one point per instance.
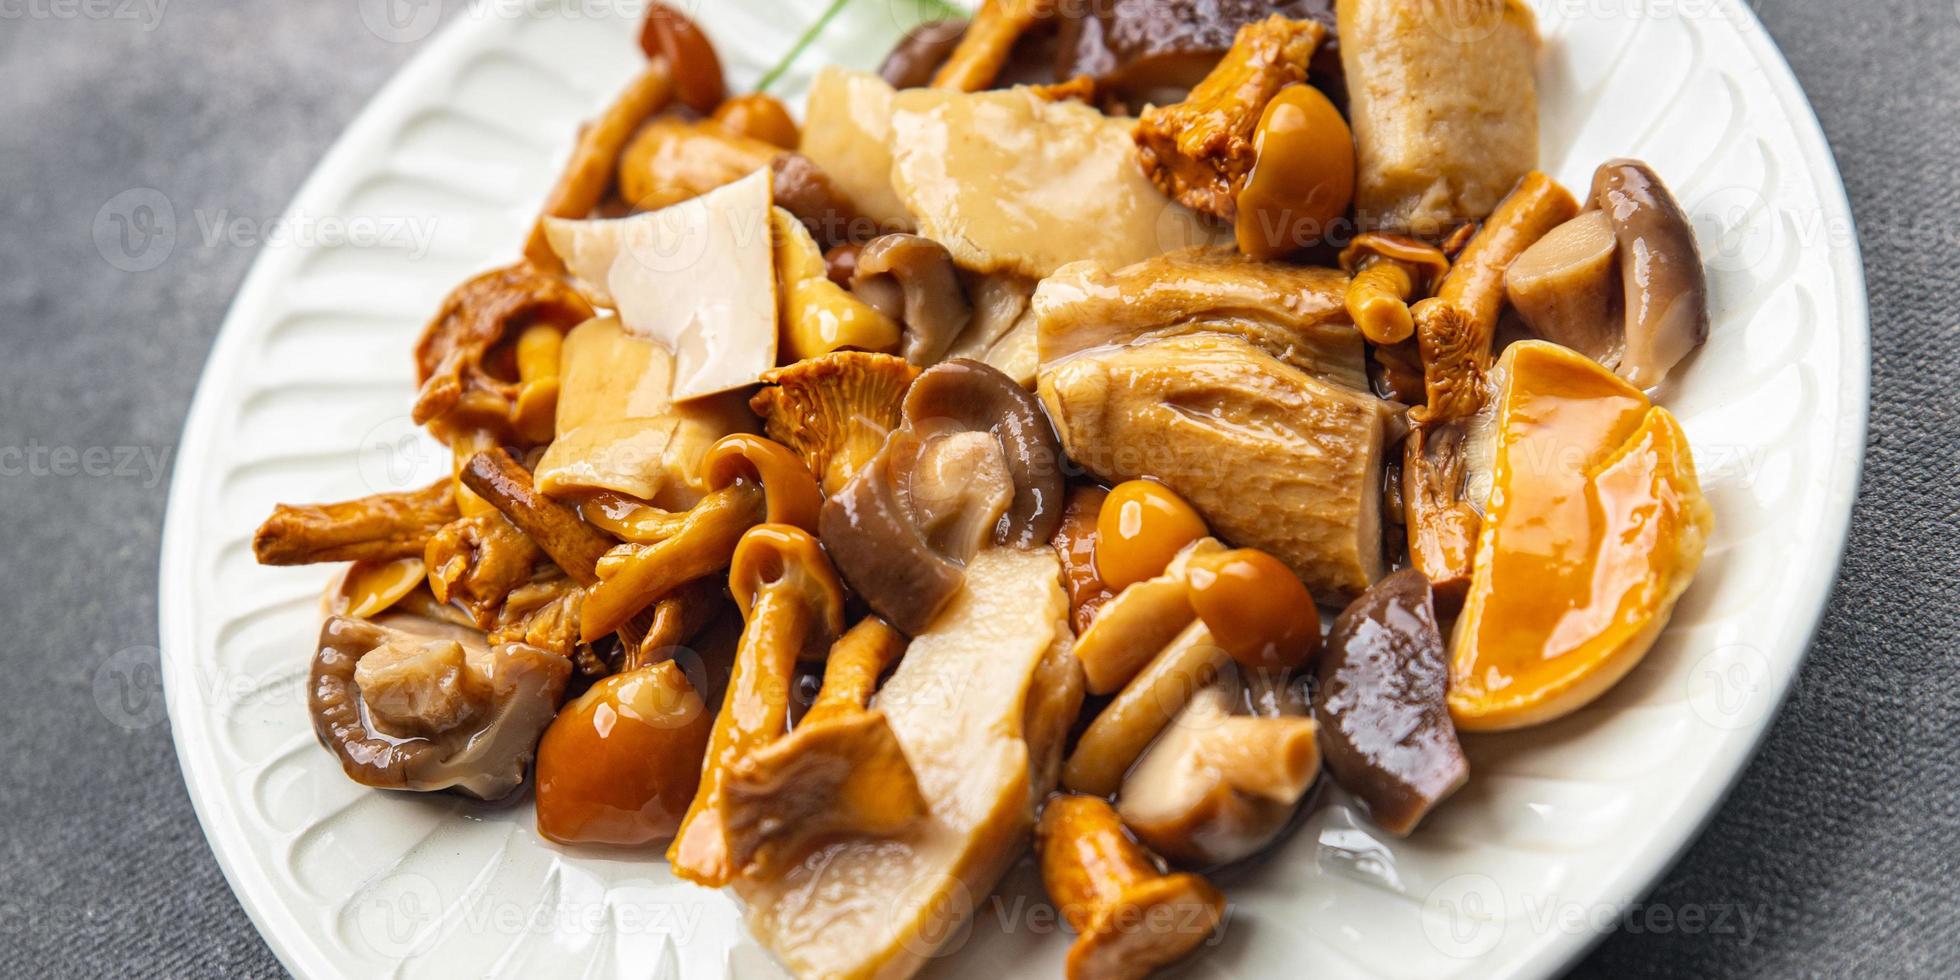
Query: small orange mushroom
(1129, 916)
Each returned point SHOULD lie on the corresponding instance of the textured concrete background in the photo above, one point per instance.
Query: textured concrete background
(1840, 843)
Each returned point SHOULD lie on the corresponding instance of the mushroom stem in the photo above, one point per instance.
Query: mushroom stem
(573, 545)
(633, 575)
(1124, 729)
(1442, 526)
(988, 40)
(1389, 272)
(792, 602)
(851, 674)
(1455, 327)
(1129, 916)
(382, 527)
(678, 615)
(590, 170)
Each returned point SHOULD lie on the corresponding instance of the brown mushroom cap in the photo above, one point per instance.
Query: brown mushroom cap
(1386, 728)
(1660, 270)
(409, 703)
(912, 279)
(917, 56)
(880, 527)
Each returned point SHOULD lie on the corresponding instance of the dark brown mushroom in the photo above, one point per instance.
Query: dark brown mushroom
(918, 55)
(1385, 726)
(1154, 50)
(974, 463)
(409, 703)
(1666, 292)
(911, 279)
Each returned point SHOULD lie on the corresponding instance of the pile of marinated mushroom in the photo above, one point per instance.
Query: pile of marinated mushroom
(1079, 434)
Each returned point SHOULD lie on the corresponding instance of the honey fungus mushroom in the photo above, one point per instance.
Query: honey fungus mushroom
(410, 703)
(974, 463)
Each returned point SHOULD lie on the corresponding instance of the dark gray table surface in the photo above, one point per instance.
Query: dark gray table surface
(1838, 846)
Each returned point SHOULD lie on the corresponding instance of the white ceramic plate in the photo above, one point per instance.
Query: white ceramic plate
(306, 395)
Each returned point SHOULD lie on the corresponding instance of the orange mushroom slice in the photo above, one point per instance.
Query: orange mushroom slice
(840, 771)
(793, 607)
(1579, 563)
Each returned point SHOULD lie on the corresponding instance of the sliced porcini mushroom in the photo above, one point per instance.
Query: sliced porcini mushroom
(1567, 287)
(1381, 703)
(381, 527)
(1666, 292)
(477, 561)
(463, 388)
(834, 411)
(410, 703)
(840, 771)
(793, 607)
(1130, 917)
(886, 527)
(1219, 785)
(1390, 271)
(753, 480)
(912, 279)
(817, 315)
(1139, 712)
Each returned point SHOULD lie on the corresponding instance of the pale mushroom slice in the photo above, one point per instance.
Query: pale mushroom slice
(1272, 457)
(1139, 621)
(1219, 785)
(406, 702)
(979, 704)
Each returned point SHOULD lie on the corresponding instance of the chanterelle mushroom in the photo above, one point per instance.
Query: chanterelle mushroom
(840, 771)
(979, 704)
(835, 411)
(410, 703)
(1131, 918)
(381, 527)
(975, 461)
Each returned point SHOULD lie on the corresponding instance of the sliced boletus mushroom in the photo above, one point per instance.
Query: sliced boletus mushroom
(1220, 784)
(1385, 724)
(410, 703)
(1666, 293)
(1567, 287)
(894, 529)
(912, 279)
(793, 607)
(840, 771)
